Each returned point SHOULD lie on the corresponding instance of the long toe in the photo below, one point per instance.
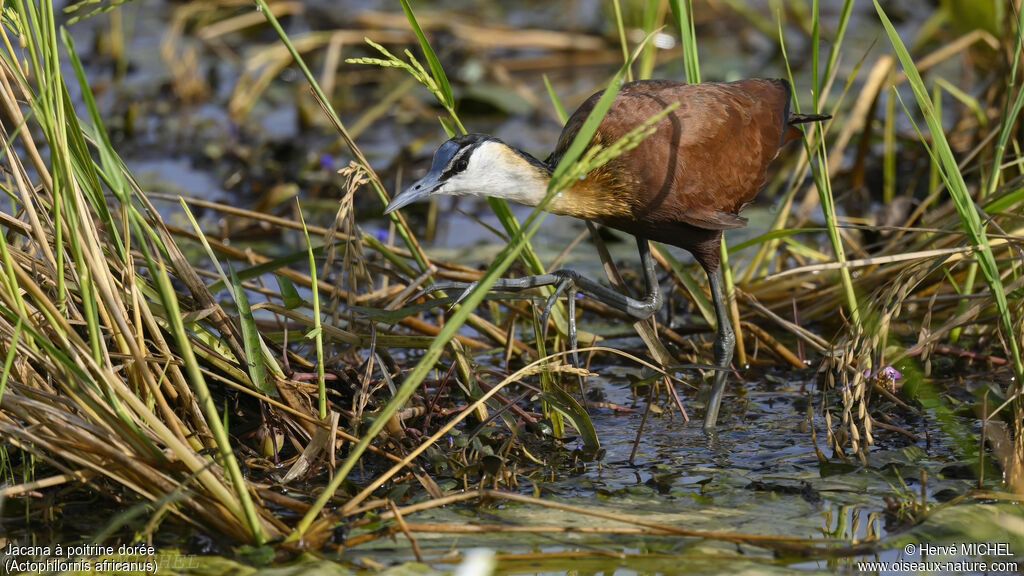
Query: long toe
(574, 346)
(469, 288)
(439, 287)
(560, 287)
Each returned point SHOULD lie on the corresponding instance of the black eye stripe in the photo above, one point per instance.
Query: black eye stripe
(458, 159)
(458, 163)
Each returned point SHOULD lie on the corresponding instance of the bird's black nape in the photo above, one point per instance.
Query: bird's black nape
(474, 140)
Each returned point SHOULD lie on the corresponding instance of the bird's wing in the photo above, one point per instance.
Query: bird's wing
(709, 158)
(716, 220)
(704, 162)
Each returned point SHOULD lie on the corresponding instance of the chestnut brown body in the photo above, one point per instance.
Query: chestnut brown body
(687, 181)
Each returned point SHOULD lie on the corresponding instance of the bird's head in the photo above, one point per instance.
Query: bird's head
(479, 165)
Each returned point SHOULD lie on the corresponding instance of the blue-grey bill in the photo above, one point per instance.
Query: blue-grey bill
(423, 187)
(419, 191)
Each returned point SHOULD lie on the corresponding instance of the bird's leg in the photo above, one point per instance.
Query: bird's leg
(651, 301)
(570, 281)
(566, 285)
(725, 341)
(563, 286)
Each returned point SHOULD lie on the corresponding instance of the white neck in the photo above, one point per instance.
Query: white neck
(498, 171)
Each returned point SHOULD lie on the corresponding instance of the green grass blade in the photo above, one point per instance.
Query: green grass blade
(564, 403)
(772, 235)
(586, 132)
(289, 295)
(435, 65)
(837, 39)
(243, 508)
(652, 20)
(316, 334)
(683, 12)
(823, 185)
(9, 360)
(250, 338)
(559, 109)
(1007, 121)
(256, 350)
(815, 44)
(622, 38)
(1010, 113)
(111, 165)
(958, 191)
(966, 99)
(1005, 201)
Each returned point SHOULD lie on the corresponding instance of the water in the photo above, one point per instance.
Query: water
(757, 474)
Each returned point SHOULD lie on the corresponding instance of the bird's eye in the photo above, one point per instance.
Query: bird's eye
(461, 164)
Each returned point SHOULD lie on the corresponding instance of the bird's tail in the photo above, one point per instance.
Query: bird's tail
(805, 118)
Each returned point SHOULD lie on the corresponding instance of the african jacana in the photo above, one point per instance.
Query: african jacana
(682, 185)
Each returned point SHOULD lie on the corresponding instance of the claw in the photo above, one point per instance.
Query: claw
(469, 288)
(559, 288)
(572, 331)
(465, 287)
(438, 286)
(574, 345)
(566, 284)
